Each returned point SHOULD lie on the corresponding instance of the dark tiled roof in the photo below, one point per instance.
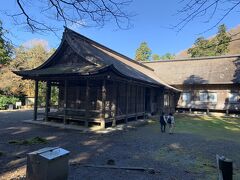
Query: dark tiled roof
(205, 70)
(88, 56)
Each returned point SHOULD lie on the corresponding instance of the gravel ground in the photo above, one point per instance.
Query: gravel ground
(177, 156)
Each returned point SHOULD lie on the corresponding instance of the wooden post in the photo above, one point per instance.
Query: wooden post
(77, 96)
(169, 102)
(59, 94)
(48, 95)
(227, 112)
(87, 104)
(190, 110)
(144, 103)
(116, 103)
(136, 97)
(103, 103)
(35, 101)
(65, 101)
(127, 99)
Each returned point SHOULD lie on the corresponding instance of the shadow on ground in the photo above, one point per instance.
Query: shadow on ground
(178, 156)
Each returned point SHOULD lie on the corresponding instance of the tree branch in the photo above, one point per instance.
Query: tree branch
(206, 9)
(91, 12)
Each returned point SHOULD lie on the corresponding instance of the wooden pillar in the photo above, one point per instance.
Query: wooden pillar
(87, 104)
(127, 100)
(65, 101)
(169, 102)
(116, 103)
(136, 97)
(59, 95)
(48, 96)
(159, 105)
(77, 96)
(227, 112)
(35, 101)
(190, 110)
(103, 103)
(144, 103)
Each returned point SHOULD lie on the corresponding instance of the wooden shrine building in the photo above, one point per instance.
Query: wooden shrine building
(98, 86)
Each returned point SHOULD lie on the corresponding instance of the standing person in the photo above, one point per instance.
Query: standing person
(163, 122)
(171, 122)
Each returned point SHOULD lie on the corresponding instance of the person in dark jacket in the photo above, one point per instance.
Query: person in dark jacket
(163, 122)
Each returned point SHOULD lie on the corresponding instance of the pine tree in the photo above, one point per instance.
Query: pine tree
(202, 47)
(222, 41)
(214, 47)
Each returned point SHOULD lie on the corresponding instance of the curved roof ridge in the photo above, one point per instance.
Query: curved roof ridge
(139, 67)
(51, 57)
(106, 48)
(75, 50)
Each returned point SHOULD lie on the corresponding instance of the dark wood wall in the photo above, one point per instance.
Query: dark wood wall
(121, 98)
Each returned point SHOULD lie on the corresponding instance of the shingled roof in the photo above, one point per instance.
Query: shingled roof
(205, 70)
(80, 55)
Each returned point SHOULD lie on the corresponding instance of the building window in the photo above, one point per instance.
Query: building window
(186, 97)
(208, 97)
(233, 97)
(203, 97)
(166, 100)
(212, 97)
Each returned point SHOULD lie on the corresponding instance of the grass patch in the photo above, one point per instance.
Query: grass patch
(189, 161)
(211, 127)
(192, 160)
(32, 141)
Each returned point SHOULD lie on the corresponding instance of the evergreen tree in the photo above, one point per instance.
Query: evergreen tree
(214, 47)
(5, 47)
(143, 53)
(202, 47)
(222, 41)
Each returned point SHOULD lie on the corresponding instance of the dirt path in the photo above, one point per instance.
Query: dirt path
(177, 156)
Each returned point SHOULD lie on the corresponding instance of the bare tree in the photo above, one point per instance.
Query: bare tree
(40, 15)
(209, 11)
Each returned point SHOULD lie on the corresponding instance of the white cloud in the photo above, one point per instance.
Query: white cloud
(33, 42)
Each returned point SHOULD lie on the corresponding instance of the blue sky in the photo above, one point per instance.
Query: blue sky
(149, 24)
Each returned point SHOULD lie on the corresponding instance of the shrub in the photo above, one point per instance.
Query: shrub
(6, 100)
